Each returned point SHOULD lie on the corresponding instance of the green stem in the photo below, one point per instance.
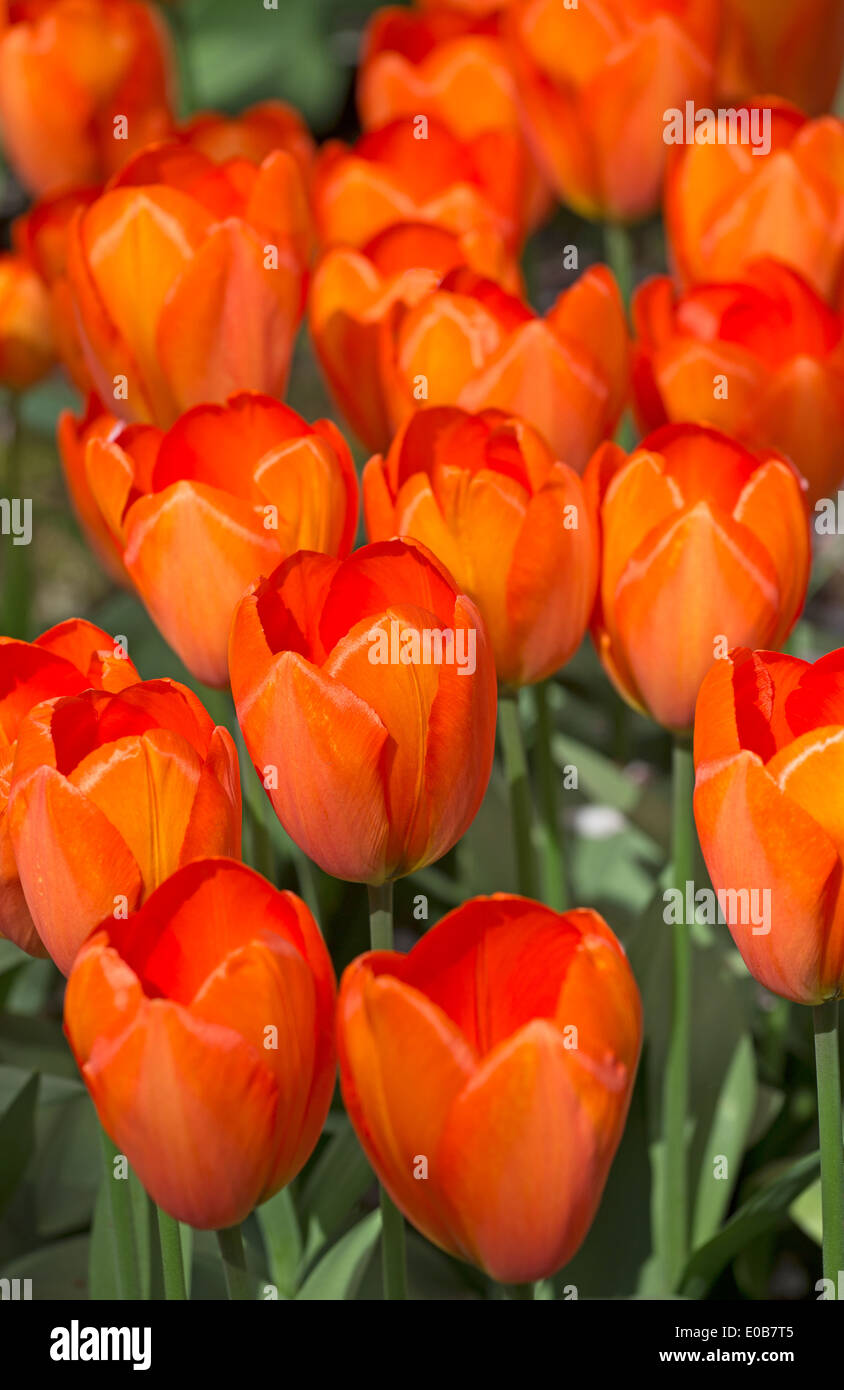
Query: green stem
(675, 1095)
(15, 602)
(825, 1018)
(516, 774)
(393, 1262)
(233, 1255)
(123, 1224)
(171, 1256)
(618, 249)
(553, 856)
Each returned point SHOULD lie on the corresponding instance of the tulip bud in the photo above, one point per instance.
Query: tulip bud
(488, 1075)
(83, 85)
(66, 660)
(202, 1025)
(184, 520)
(109, 795)
(769, 757)
(512, 525)
(705, 546)
(365, 690)
(761, 358)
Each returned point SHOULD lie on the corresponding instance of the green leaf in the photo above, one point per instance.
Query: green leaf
(805, 1212)
(36, 1044)
(340, 1271)
(726, 1141)
(102, 1257)
(282, 1239)
(59, 1271)
(337, 1182)
(766, 1208)
(18, 1098)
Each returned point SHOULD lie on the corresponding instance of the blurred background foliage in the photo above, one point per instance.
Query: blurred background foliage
(753, 1097)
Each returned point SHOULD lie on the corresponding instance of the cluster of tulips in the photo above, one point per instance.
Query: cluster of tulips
(167, 266)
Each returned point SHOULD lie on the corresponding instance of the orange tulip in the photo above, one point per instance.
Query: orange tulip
(456, 69)
(407, 172)
(726, 206)
(219, 251)
(705, 547)
(769, 735)
(202, 1026)
(212, 504)
(511, 523)
(762, 358)
(68, 659)
(793, 50)
(27, 344)
(73, 435)
(83, 84)
(496, 1062)
(109, 794)
(469, 343)
(42, 236)
(596, 80)
(254, 135)
(365, 690)
(354, 294)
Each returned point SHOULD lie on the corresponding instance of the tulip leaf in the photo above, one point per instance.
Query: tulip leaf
(36, 1044)
(58, 1271)
(725, 1143)
(805, 1212)
(765, 1209)
(340, 1271)
(335, 1186)
(18, 1098)
(282, 1239)
(102, 1257)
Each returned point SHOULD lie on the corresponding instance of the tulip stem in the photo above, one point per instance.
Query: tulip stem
(14, 613)
(553, 857)
(675, 1095)
(393, 1260)
(170, 1236)
(123, 1223)
(233, 1255)
(825, 1018)
(516, 774)
(618, 248)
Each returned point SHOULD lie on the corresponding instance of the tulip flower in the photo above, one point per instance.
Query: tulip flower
(254, 134)
(66, 660)
(596, 81)
(42, 235)
(218, 500)
(456, 69)
(83, 85)
(109, 794)
(488, 1075)
(706, 546)
(468, 343)
(726, 205)
(413, 170)
(72, 436)
(27, 344)
(365, 690)
(354, 293)
(768, 733)
(769, 730)
(202, 1025)
(761, 358)
(219, 251)
(510, 522)
(793, 50)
